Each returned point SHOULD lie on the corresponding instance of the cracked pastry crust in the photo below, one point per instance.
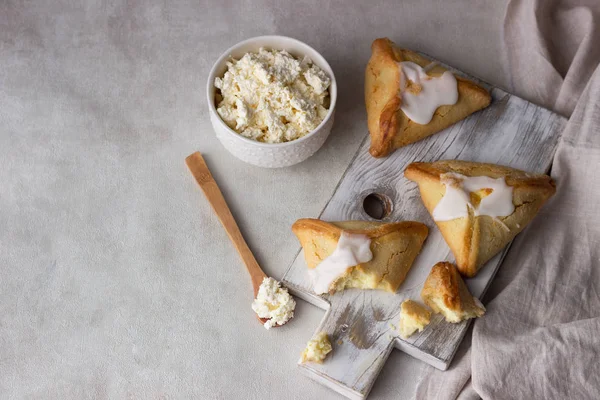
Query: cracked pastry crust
(389, 127)
(446, 293)
(476, 239)
(394, 246)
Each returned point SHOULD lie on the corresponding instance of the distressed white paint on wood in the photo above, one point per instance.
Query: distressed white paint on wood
(510, 132)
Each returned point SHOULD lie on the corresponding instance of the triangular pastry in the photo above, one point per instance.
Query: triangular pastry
(377, 255)
(479, 208)
(396, 85)
(446, 293)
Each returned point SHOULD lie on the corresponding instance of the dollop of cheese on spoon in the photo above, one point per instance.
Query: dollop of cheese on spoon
(273, 302)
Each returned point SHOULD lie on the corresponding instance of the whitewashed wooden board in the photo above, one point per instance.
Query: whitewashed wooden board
(511, 131)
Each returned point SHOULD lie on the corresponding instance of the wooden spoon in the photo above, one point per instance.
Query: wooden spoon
(201, 173)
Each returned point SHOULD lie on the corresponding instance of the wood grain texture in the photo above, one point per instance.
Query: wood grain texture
(205, 180)
(510, 132)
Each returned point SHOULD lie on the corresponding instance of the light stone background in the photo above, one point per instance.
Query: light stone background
(116, 279)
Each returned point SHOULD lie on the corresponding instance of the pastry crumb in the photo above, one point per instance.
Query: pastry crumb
(413, 317)
(317, 349)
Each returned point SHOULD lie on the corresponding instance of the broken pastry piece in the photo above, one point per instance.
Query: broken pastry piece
(358, 254)
(413, 317)
(479, 208)
(409, 98)
(316, 349)
(446, 293)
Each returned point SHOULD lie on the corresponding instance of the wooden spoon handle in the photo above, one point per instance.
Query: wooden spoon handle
(201, 173)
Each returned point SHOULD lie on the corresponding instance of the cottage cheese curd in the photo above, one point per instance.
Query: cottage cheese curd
(272, 97)
(273, 302)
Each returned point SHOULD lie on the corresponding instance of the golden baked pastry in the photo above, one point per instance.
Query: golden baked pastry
(446, 293)
(394, 247)
(389, 127)
(474, 239)
(316, 349)
(413, 317)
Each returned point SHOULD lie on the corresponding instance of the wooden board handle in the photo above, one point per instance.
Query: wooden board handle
(201, 173)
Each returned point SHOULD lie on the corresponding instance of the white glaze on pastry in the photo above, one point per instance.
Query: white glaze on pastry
(351, 250)
(455, 202)
(419, 105)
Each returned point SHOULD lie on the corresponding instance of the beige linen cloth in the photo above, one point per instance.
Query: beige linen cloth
(539, 338)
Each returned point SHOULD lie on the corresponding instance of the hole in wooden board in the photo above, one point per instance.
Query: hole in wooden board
(377, 205)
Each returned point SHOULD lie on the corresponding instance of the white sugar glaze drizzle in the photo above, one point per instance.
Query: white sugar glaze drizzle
(455, 202)
(351, 250)
(435, 92)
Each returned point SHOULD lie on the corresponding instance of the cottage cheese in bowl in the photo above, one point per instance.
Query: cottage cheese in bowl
(271, 96)
(271, 100)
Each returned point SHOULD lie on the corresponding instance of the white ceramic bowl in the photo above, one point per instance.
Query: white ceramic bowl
(270, 155)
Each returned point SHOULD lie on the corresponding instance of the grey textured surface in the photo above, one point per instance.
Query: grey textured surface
(116, 279)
